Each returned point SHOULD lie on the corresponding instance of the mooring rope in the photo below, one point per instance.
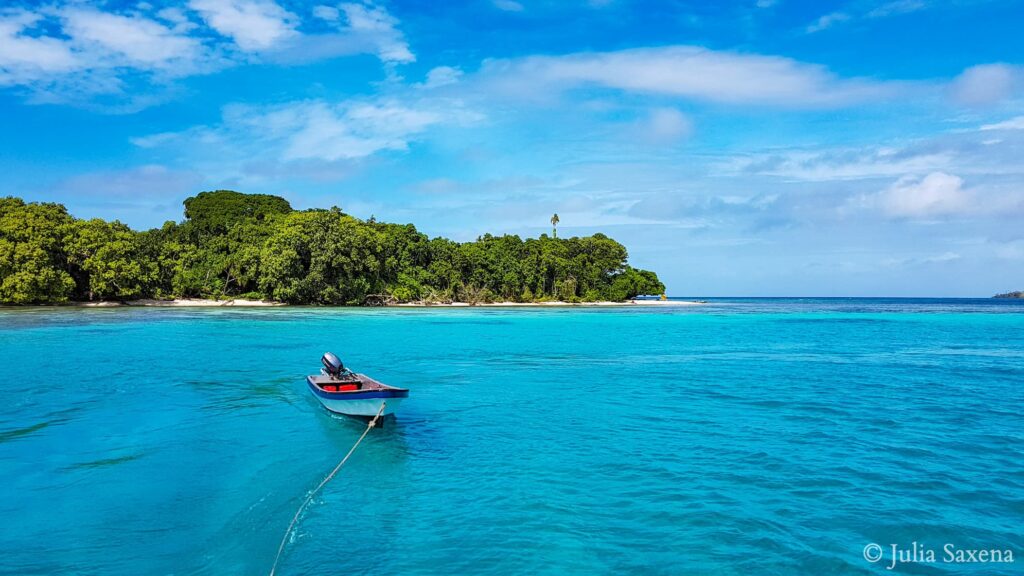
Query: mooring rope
(309, 498)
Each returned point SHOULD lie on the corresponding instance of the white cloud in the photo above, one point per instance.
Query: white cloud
(663, 126)
(839, 164)
(92, 53)
(937, 194)
(153, 140)
(177, 17)
(675, 205)
(893, 8)
(508, 5)
(986, 155)
(442, 76)
(253, 24)
(134, 40)
(1011, 124)
(381, 28)
(328, 13)
(940, 258)
(943, 258)
(315, 130)
(357, 29)
(986, 84)
(25, 58)
(827, 21)
(80, 54)
(684, 71)
(328, 133)
(896, 7)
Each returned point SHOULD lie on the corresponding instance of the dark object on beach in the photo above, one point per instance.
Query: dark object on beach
(342, 391)
(379, 300)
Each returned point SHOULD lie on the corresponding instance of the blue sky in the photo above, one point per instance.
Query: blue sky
(762, 147)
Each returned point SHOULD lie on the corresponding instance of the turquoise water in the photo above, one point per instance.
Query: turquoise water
(742, 437)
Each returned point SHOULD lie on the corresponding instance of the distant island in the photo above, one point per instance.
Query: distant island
(1010, 295)
(255, 246)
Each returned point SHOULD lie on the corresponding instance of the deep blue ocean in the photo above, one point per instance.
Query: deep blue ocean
(747, 436)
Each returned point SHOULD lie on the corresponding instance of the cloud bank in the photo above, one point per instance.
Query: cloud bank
(74, 52)
(690, 72)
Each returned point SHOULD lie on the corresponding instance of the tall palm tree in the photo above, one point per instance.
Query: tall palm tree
(554, 226)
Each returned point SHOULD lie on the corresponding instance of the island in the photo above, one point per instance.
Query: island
(235, 247)
(1010, 295)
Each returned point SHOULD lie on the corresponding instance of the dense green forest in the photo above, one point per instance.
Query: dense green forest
(234, 245)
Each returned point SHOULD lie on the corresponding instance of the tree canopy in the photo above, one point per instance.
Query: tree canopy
(233, 245)
(215, 212)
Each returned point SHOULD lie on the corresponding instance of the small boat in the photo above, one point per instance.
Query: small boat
(342, 391)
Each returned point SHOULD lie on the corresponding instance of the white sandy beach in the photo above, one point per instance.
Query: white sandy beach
(198, 302)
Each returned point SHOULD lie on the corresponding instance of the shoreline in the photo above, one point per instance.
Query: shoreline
(547, 304)
(241, 303)
(180, 302)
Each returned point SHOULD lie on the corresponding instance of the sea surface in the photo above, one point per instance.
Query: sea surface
(746, 436)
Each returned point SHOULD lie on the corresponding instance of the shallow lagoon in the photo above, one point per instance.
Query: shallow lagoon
(746, 436)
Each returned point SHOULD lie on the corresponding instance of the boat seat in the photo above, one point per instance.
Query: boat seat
(361, 382)
(339, 387)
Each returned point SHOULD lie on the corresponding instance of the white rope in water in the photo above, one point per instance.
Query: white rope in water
(309, 498)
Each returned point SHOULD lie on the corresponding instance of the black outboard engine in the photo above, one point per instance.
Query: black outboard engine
(333, 365)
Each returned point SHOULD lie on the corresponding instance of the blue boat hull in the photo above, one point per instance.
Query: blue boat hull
(359, 402)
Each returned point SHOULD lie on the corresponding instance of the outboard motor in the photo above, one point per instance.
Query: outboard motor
(333, 365)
